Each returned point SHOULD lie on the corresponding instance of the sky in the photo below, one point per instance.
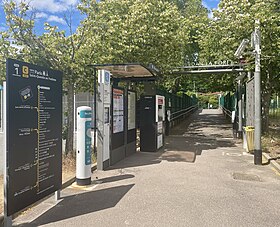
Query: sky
(54, 12)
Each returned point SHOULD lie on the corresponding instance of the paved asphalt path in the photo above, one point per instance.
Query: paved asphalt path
(201, 178)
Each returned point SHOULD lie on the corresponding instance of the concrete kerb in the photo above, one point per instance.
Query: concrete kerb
(64, 185)
(272, 162)
(266, 157)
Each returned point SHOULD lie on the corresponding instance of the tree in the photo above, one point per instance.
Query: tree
(7, 50)
(121, 31)
(163, 32)
(52, 49)
(195, 20)
(233, 22)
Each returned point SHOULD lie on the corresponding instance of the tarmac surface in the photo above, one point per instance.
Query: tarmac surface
(202, 177)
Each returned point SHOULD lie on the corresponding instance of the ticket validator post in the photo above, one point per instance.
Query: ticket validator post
(83, 150)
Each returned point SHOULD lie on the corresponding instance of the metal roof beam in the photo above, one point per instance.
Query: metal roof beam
(212, 66)
(210, 71)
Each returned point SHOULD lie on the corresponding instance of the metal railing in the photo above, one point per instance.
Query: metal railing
(182, 113)
(177, 117)
(226, 111)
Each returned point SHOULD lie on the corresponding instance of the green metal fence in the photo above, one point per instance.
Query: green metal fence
(180, 107)
(274, 108)
(176, 103)
(227, 101)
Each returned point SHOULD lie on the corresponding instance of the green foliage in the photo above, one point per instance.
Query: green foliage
(7, 50)
(167, 33)
(211, 99)
(150, 31)
(233, 22)
(51, 49)
(196, 20)
(203, 101)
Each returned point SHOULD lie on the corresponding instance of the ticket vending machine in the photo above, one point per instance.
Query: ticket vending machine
(152, 117)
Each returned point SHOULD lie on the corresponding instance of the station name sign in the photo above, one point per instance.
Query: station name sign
(220, 62)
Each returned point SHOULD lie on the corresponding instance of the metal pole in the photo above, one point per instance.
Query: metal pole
(95, 109)
(57, 196)
(258, 149)
(2, 111)
(239, 110)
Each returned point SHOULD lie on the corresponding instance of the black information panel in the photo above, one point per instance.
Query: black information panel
(34, 126)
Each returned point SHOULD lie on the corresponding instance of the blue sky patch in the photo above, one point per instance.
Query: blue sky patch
(55, 13)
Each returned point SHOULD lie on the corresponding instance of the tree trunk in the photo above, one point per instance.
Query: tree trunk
(70, 120)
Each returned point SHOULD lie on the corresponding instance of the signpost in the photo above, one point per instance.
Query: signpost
(33, 135)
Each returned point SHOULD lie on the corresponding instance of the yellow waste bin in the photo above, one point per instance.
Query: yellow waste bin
(250, 138)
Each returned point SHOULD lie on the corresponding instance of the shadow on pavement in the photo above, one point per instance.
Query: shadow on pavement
(179, 156)
(200, 132)
(138, 159)
(186, 148)
(269, 160)
(80, 204)
(114, 178)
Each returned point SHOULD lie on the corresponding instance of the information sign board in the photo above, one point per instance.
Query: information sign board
(33, 137)
(118, 110)
(131, 110)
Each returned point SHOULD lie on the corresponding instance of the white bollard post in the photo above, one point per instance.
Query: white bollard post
(83, 148)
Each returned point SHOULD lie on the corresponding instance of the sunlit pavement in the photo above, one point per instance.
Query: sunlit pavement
(201, 178)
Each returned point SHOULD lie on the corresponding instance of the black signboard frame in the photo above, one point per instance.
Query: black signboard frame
(33, 134)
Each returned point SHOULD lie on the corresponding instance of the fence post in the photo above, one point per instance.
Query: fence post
(167, 123)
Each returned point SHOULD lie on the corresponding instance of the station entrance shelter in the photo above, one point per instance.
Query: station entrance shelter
(114, 120)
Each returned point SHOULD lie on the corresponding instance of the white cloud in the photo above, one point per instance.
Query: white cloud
(70, 2)
(53, 18)
(41, 15)
(53, 6)
(50, 18)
